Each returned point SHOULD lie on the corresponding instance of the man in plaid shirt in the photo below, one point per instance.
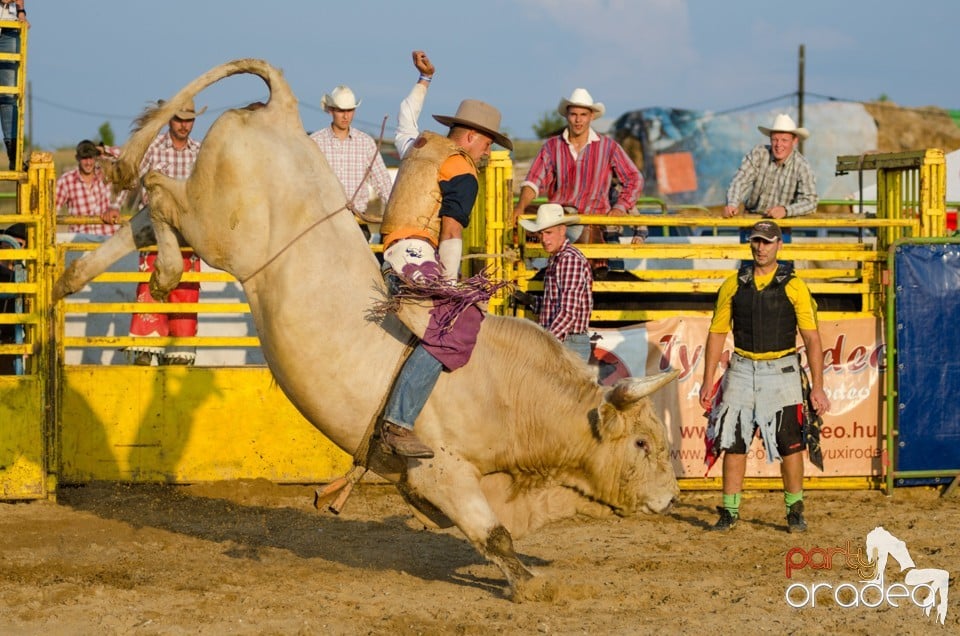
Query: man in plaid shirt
(352, 154)
(172, 153)
(775, 180)
(567, 283)
(84, 193)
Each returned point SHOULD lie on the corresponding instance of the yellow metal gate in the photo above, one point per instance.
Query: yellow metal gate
(26, 377)
(27, 434)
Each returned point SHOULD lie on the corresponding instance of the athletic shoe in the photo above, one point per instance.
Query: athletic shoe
(726, 520)
(795, 522)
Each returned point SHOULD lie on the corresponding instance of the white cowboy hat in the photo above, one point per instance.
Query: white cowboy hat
(341, 98)
(784, 123)
(549, 215)
(580, 97)
(479, 116)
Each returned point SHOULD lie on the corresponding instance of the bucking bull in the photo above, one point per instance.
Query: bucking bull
(523, 434)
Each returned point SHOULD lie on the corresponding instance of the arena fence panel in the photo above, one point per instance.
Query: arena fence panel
(102, 418)
(924, 439)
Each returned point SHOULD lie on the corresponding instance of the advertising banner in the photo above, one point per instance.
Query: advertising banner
(853, 363)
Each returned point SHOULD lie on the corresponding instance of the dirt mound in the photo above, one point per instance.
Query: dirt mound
(900, 129)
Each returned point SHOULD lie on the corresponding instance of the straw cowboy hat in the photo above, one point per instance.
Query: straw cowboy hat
(580, 97)
(341, 98)
(479, 116)
(784, 123)
(189, 110)
(549, 215)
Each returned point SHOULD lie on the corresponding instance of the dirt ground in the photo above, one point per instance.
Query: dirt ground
(256, 558)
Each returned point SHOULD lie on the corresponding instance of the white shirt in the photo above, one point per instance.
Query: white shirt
(407, 128)
(8, 10)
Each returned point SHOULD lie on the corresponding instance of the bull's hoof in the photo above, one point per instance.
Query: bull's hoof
(537, 588)
(60, 291)
(158, 292)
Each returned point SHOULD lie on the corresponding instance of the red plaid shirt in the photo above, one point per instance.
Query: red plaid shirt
(85, 199)
(583, 181)
(567, 293)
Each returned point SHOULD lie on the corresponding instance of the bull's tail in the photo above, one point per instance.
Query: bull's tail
(282, 104)
(124, 173)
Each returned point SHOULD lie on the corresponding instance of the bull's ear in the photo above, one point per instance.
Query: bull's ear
(609, 424)
(629, 391)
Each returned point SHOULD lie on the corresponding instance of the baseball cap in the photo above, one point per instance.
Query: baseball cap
(87, 149)
(766, 230)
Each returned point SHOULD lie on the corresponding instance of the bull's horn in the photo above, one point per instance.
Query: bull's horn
(630, 390)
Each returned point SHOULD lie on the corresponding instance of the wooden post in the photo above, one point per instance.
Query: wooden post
(800, 89)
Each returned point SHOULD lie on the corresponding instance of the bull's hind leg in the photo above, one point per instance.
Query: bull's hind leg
(167, 201)
(458, 495)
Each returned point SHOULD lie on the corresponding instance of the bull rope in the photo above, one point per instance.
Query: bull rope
(362, 215)
(335, 494)
(296, 238)
(348, 206)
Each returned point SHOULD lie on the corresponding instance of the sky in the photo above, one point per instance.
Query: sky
(91, 63)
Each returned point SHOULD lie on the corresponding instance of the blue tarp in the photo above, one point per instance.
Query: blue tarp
(715, 145)
(927, 280)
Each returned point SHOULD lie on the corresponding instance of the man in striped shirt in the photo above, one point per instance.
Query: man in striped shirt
(351, 153)
(576, 168)
(83, 192)
(774, 180)
(567, 283)
(172, 153)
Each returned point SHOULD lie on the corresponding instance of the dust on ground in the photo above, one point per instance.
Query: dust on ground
(252, 557)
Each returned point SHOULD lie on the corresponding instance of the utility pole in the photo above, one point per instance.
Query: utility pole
(800, 92)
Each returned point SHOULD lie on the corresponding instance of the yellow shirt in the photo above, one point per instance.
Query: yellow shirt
(797, 293)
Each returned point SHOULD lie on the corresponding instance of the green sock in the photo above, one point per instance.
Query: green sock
(791, 498)
(732, 503)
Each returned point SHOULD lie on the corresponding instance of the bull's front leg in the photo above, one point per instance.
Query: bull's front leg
(137, 233)
(166, 201)
(455, 490)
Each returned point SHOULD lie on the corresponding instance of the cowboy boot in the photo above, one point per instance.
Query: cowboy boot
(402, 441)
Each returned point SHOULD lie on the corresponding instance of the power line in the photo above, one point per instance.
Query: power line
(370, 128)
(78, 111)
(755, 104)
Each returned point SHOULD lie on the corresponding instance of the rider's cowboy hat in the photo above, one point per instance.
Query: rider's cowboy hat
(341, 98)
(784, 123)
(479, 116)
(549, 215)
(580, 97)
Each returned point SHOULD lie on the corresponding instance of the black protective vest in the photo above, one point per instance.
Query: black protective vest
(764, 320)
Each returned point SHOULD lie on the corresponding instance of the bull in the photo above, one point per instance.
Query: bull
(523, 434)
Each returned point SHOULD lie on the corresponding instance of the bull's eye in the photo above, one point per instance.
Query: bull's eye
(641, 444)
